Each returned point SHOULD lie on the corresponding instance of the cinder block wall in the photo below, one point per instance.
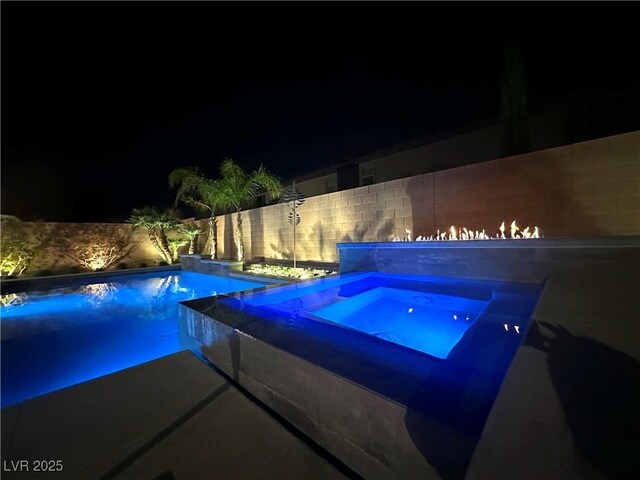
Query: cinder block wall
(586, 189)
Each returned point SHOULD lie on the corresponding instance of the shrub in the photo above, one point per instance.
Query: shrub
(156, 224)
(289, 272)
(93, 246)
(16, 252)
(122, 266)
(143, 265)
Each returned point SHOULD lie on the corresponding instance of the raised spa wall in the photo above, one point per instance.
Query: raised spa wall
(528, 261)
(204, 264)
(581, 353)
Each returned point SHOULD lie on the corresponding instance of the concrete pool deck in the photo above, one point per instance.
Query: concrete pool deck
(568, 407)
(172, 418)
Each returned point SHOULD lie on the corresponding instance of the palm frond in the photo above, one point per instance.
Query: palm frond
(239, 188)
(194, 189)
(267, 181)
(150, 217)
(190, 231)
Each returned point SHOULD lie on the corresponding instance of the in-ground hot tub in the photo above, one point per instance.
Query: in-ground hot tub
(425, 314)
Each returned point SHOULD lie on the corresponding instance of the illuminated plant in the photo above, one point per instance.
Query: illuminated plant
(239, 189)
(191, 232)
(282, 271)
(201, 193)
(16, 251)
(93, 246)
(15, 257)
(294, 197)
(174, 247)
(156, 224)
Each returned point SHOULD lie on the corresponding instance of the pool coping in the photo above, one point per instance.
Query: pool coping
(625, 241)
(16, 285)
(19, 285)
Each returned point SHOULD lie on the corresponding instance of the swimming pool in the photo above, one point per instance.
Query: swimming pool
(61, 337)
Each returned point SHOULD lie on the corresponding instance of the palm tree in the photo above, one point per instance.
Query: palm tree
(174, 246)
(191, 232)
(201, 193)
(156, 224)
(238, 189)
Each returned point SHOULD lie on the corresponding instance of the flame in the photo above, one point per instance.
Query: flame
(463, 233)
(514, 230)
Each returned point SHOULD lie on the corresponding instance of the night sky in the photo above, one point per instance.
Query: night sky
(101, 100)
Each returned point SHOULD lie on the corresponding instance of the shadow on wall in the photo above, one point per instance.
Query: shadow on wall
(230, 249)
(256, 222)
(550, 196)
(380, 230)
(599, 390)
(420, 190)
(533, 189)
(317, 235)
(445, 449)
(283, 249)
(315, 241)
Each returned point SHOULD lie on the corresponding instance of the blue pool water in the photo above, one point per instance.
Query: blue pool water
(66, 336)
(426, 314)
(432, 324)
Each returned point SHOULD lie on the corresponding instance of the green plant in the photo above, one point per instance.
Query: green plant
(94, 247)
(15, 257)
(200, 193)
(156, 224)
(289, 272)
(143, 265)
(16, 251)
(238, 189)
(174, 246)
(122, 266)
(191, 232)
